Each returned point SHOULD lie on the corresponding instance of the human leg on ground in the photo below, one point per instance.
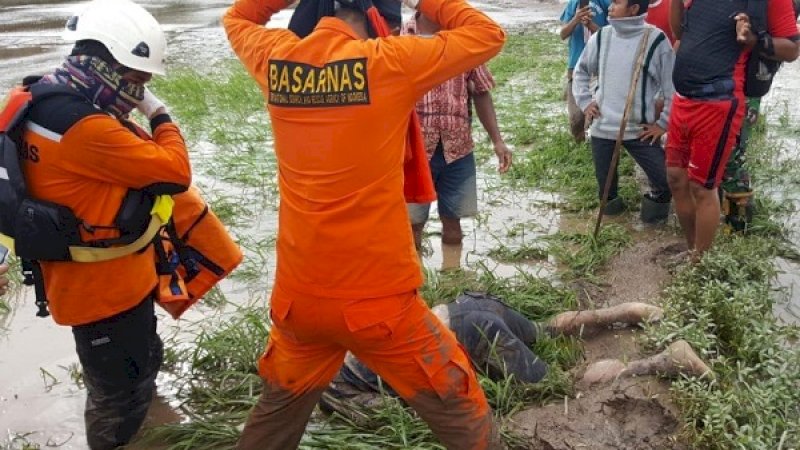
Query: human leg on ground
(707, 211)
(578, 322)
(651, 158)
(736, 189)
(709, 149)
(678, 358)
(494, 348)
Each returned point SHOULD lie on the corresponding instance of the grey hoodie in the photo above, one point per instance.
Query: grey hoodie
(613, 64)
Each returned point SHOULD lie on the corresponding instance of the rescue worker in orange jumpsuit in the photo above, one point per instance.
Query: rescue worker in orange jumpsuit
(80, 152)
(347, 271)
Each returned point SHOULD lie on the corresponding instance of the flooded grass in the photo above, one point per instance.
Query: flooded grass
(583, 254)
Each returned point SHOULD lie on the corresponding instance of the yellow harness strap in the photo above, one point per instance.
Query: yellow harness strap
(159, 216)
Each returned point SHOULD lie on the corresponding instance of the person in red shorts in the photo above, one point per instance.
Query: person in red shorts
(716, 40)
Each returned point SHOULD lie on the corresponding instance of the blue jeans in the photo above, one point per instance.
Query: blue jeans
(456, 188)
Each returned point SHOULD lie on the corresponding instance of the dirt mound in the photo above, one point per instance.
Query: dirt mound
(630, 414)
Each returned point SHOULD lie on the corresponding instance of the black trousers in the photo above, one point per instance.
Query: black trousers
(650, 158)
(497, 338)
(120, 356)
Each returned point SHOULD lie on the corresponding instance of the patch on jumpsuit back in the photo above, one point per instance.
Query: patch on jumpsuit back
(337, 83)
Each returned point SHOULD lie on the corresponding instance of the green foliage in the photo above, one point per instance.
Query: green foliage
(535, 298)
(523, 253)
(723, 308)
(583, 255)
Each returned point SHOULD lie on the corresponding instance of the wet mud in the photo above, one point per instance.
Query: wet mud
(631, 414)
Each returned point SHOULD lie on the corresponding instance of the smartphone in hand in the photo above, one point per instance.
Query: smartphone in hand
(583, 4)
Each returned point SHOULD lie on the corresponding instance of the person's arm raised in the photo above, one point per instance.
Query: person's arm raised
(244, 24)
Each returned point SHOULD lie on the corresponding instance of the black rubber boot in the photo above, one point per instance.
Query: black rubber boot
(614, 207)
(653, 211)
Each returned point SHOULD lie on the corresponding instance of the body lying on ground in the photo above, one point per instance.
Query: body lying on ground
(498, 341)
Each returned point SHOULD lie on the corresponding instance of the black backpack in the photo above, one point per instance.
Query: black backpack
(760, 71)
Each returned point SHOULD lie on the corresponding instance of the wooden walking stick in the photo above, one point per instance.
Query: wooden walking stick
(637, 70)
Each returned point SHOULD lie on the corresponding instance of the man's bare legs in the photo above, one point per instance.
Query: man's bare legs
(706, 220)
(685, 207)
(451, 231)
(678, 358)
(416, 230)
(578, 322)
(697, 208)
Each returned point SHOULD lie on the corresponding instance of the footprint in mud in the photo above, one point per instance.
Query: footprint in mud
(672, 255)
(632, 414)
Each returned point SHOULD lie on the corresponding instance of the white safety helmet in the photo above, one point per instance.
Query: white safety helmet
(129, 32)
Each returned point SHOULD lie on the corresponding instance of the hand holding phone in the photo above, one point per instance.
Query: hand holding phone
(583, 4)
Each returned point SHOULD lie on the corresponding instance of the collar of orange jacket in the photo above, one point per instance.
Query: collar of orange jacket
(336, 25)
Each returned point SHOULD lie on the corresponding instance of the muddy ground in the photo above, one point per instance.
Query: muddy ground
(39, 403)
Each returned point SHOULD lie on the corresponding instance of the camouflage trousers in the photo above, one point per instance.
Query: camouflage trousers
(737, 178)
(736, 192)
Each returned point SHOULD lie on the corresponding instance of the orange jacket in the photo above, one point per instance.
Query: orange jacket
(340, 109)
(89, 169)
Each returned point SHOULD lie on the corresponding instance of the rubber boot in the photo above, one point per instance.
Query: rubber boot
(653, 211)
(614, 207)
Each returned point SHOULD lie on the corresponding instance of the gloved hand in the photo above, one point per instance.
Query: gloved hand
(413, 4)
(150, 105)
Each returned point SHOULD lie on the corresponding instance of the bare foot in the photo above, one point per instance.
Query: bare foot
(677, 359)
(603, 371)
(575, 322)
(686, 361)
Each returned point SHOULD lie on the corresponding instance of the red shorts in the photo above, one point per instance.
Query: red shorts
(701, 135)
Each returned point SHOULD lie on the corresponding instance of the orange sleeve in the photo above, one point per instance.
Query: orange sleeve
(469, 40)
(244, 24)
(103, 149)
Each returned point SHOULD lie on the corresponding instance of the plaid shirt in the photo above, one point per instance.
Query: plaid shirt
(445, 113)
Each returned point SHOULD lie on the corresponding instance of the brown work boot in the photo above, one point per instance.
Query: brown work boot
(577, 322)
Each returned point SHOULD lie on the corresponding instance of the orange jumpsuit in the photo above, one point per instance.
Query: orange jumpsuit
(347, 271)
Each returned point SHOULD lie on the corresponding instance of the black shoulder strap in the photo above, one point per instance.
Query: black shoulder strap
(757, 12)
(599, 41)
(58, 107)
(650, 53)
